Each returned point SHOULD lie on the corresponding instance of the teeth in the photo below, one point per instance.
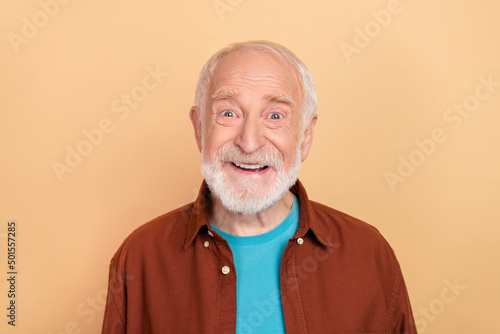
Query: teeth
(249, 166)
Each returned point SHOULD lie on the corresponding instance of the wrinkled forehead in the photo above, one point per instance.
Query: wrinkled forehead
(255, 70)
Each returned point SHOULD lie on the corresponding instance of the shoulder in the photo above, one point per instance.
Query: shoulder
(358, 247)
(341, 221)
(349, 232)
(165, 231)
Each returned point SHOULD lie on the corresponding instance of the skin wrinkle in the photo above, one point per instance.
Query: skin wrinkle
(228, 94)
(279, 103)
(267, 78)
(290, 112)
(241, 82)
(256, 83)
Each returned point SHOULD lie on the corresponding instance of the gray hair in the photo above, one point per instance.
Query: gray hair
(310, 106)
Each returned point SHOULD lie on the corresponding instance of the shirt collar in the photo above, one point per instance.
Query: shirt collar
(198, 221)
(307, 218)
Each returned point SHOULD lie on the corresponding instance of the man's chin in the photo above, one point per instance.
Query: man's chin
(246, 204)
(249, 200)
(248, 194)
(248, 187)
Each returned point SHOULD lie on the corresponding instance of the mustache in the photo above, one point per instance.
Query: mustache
(266, 156)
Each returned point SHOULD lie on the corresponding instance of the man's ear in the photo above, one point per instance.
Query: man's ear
(195, 116)
(308, 137)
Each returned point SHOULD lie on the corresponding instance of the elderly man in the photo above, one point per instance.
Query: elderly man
(253, 254)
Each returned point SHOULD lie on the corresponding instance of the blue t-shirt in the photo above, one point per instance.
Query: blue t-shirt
(257, 261)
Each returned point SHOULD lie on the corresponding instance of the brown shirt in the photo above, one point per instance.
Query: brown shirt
(176, 275)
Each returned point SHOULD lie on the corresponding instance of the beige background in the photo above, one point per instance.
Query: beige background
(66, 66)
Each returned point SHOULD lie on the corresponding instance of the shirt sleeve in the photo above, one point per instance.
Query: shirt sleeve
(401, 311)
(114, 314)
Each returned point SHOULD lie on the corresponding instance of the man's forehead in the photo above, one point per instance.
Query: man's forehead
(255, 70)
(253, 64)
(233, 93)
(242, 71)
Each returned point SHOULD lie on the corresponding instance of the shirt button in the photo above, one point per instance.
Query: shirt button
(300, 241)
(206, 244)
(225, 270)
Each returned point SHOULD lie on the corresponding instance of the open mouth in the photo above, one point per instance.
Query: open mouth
(249, 167)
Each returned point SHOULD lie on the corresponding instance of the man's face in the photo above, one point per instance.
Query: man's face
(251, 138)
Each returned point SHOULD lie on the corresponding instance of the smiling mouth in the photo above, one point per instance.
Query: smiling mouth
(249, 167)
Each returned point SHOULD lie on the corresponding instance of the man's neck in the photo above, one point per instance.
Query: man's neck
(248, 225)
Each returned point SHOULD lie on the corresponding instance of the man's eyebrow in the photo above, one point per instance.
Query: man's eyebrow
(224, 94)
(281, 98)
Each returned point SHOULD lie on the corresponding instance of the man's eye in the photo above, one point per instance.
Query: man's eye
(275, 115)
(228, 113)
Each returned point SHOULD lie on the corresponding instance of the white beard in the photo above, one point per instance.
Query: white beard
(247, 197)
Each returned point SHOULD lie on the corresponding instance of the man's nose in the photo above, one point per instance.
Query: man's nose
(251, 136)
